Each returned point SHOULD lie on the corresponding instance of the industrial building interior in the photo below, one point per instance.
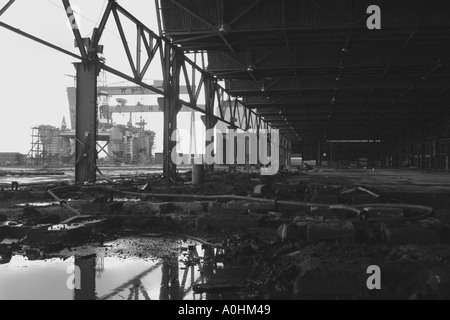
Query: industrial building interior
(330, 154)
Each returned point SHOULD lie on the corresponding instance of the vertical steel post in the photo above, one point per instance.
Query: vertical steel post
(86, 122)
(171, 105)
(209, 122)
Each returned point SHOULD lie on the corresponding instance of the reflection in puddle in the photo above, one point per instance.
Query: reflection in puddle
(115, 278)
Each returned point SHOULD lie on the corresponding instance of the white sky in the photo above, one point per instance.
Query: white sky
(33, 77)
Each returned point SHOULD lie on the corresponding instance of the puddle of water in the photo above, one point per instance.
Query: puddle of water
(36, 205)
(117, 278)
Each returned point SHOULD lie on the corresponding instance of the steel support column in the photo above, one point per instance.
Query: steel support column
(209, 122)
(258, 129)
(171, 105)
(86, 122)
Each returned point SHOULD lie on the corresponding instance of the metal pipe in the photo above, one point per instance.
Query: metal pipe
(63, 203)
(357, 209)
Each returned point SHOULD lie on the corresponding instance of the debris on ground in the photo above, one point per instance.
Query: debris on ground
(294, 230)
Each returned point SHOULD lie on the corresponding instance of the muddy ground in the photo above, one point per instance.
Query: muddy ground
(282, 232)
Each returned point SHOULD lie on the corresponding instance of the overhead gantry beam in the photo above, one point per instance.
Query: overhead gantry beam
(175, 64)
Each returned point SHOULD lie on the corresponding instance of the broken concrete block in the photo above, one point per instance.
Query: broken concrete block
(329, 230)
(227, 222)
(413, 233)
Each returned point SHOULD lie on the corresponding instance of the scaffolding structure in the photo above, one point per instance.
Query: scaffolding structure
(36, 154)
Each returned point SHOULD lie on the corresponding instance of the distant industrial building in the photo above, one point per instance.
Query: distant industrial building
(12, 158)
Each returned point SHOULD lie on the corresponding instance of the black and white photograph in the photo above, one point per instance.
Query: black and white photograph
(226, 155)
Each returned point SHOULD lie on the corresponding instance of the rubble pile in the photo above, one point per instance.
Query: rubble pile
(306, 237)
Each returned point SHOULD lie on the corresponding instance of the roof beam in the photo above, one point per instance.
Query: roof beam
(243, 13)
(192, 13)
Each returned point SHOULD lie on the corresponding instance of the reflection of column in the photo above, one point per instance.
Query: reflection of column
(87, 271)
(209, 268)
(170, 284)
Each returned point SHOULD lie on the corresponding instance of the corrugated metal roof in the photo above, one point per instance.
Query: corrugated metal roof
(327, 43)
